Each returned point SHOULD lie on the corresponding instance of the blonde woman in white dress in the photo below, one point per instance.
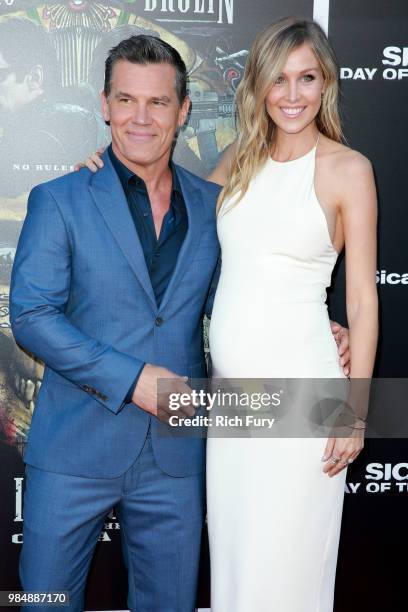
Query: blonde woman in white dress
(293, 197)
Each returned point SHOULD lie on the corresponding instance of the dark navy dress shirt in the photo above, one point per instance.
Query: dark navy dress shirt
(160, 253)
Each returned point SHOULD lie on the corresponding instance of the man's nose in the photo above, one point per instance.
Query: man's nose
(141, 114)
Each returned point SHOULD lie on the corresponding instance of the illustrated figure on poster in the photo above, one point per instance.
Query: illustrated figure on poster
(40, 120)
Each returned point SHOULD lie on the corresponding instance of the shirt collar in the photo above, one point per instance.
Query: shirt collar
(125, 174)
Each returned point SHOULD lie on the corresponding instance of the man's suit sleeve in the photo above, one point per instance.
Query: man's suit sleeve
(40, 286)
(129, 394)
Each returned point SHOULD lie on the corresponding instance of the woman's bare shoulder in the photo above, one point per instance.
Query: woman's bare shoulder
(342, 159)
(221, 172)
(346, 174)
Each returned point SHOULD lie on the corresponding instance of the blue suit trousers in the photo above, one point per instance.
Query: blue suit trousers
(161, 521)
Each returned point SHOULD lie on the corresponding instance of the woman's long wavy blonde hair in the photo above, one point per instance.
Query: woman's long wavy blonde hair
(265, 63)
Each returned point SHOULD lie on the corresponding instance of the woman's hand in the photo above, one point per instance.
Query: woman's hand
(341, 336)
(93, 162)
(340, 452)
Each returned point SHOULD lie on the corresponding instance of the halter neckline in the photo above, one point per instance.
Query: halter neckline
(290, 161)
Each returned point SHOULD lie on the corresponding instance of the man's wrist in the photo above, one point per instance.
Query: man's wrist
(129, 395)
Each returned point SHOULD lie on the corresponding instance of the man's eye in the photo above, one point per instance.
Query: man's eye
(124, 100)
(158, 103)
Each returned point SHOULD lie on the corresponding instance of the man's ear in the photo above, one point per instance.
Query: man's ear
(35, 78)
(183, 112)
(105, 107)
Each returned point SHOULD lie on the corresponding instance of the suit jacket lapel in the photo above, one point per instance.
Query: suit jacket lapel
(194, 204)
(108, 195)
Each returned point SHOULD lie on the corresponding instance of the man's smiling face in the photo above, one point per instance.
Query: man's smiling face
(144, 111)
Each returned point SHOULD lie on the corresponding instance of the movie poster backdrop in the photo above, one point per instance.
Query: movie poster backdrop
(63, 45)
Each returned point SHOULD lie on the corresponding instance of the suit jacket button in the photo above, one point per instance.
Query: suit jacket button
(159, 321)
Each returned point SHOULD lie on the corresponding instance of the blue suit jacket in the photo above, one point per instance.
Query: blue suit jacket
(82, 301)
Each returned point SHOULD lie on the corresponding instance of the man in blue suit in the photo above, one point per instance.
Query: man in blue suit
(112, 276)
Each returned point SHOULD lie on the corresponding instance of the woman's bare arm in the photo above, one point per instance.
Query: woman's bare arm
(358, 208)
(354, 185)
(221, 172)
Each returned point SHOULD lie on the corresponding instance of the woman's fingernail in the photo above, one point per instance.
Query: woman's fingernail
(324, 458)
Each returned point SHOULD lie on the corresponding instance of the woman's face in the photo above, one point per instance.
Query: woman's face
(295, 98)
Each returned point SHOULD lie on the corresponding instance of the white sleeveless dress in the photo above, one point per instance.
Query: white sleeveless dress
(273, 516)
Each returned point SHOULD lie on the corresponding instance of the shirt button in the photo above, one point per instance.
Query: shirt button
(158, 321)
